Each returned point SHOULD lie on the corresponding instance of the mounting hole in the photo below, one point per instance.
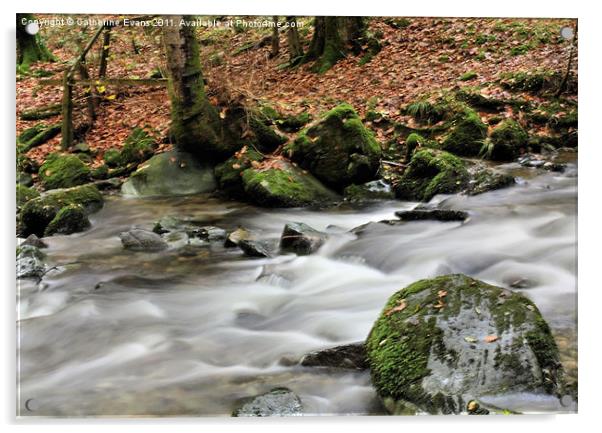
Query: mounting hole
(32, 28)
(567, 33)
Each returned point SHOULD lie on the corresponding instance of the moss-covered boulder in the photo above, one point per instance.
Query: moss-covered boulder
(467, 135)
(229, 173)
(24, 194)
(63, 171)
(339, 150)
(138, 147)
(244, 126)
(36, 214)
(431, 172)
(293, 122)
(444, 342)
(284, 185)
(170, 174)
(70, 219)
(507, 140)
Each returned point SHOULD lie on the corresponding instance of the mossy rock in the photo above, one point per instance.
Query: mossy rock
(443, 342)
(284, 186)
(467, 135)
(507, 139)
(138, 147)
(488, 180)
(101, 172)
(339, 150)
(249, 127)
(36, 214)
(293, 122)
(415, 141)
(69, 219)
(170, 174)
(36, 135)
(24, 194)
(112, 158)
(431, 172)
(63, 171)
(229, 173)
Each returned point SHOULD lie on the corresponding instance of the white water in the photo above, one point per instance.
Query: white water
(171, 335)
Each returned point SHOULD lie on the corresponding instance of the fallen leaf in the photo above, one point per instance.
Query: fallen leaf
(441, 293)
(401, 305)
(491, 338)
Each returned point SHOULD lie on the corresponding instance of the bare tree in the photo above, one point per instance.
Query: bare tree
(294, 42)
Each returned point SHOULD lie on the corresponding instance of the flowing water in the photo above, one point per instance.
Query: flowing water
(114, 333)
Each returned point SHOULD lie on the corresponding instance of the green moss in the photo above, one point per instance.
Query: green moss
(36, 136)
(63, 171)
(535, 81)
(286, 186)
(467, 135)
(339, 150)
(138, 147)
(229, 173)
(36, 214)
(544, 347)
(507, 139)
(431, 172)
(112, 157)
(69, 219)
(100, 172)
(470, 75)
(293, 122)
(24, 194)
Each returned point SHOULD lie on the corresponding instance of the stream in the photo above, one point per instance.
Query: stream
(111, 332)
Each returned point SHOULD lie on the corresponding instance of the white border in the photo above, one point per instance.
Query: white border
(590, 185)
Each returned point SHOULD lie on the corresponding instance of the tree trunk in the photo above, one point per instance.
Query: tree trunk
(195, 124)
(565, 79)
(275, 38)
(30, 48)
(330, 40)
(294, 43)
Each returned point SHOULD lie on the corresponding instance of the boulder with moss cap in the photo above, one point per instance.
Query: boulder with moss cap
(339, 150)
(443, 342)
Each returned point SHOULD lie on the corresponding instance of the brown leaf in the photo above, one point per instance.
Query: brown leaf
(491, 338)
(401, 304)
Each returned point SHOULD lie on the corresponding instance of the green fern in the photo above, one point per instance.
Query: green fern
(487, 147)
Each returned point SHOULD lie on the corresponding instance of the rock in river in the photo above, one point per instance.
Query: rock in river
(30, 262)
(432, 214)
(277, 402)
(170, 174)
(443, 342)
(351, 356)
(253, 248)
(142, 240)
(301, 239)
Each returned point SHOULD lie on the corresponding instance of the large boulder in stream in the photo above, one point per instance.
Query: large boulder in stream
(339, 150)
(70, 219)
(170, 174)
(279, 183)
(431, 172)
(277, 402)
(444, 342)
(37, 214)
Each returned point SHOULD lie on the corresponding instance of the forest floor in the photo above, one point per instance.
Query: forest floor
(418, 56)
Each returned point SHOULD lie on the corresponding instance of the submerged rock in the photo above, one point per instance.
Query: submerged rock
(432, 214)
(301, 239)
(339, 150)
(284, 185)
(30, 262)
(170, 174)
(429, 173)
(277, 402)
(351, 356)
(442, 342)
(142, 240)
(39, 212)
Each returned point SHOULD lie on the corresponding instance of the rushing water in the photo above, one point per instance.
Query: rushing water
(111, 332)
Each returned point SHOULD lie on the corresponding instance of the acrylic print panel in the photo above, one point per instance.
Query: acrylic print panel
(280, 216)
